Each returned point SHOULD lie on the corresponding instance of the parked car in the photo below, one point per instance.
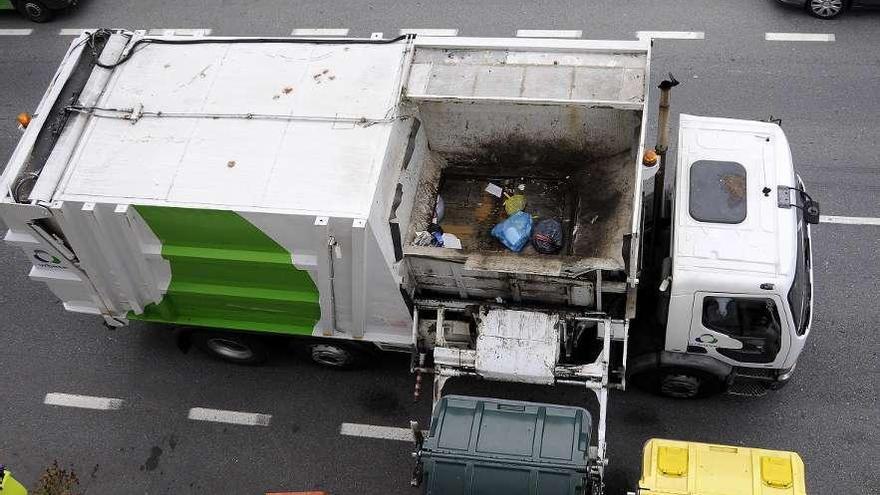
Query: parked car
(36, 10)
(829, 9)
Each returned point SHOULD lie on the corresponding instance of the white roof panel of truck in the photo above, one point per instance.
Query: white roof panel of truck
(294, 127)
(726, 204)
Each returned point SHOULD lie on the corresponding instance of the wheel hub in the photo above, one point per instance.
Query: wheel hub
(826, 8)
(33, 10)
(230, 348)
(680, 386)
(330, 355)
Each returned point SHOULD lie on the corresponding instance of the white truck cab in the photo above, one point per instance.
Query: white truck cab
(739, 279)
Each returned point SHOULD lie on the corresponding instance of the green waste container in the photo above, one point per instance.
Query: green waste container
(480, 446)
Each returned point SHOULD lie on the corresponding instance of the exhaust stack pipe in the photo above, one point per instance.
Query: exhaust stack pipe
(662, 145)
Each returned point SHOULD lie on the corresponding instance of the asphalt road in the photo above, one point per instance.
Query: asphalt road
(827, 94)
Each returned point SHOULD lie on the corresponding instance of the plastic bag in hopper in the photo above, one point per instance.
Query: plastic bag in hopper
(515, 231)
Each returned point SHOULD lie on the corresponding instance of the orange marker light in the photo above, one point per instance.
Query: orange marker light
(650, 158)
(23, 119)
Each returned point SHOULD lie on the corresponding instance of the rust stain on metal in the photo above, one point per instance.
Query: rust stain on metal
(735, 186)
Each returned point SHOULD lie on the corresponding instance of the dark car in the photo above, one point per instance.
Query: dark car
(36, 10)
(829, 9)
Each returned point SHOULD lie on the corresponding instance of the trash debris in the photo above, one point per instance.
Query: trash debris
(432, 237)
(494, 190)
(547, 236)
(514, 203)
(439, 210)
(514, 232)
(423, 238)
(437, 233)
(451, 241)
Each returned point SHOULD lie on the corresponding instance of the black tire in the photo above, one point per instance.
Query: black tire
(36, 10)
(331, 354)
(825, 9)
(678, 383)
(232, 347)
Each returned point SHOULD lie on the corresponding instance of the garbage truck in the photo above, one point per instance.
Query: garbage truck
(483, 204)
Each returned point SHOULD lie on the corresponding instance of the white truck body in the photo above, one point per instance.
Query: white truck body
(307, 142)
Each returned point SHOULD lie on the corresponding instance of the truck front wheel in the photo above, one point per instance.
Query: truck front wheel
(232, 347)
(678, 383)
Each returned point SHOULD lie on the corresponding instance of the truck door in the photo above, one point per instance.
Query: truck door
(741, 329)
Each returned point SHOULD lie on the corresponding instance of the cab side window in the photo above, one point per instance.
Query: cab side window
(752, 321)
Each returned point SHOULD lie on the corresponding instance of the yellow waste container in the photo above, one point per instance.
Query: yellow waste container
(8, 485)
(671, 467)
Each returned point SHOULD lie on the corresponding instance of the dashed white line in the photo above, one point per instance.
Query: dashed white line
(375, 431)
(849, 220)
(376, 36)
(549, 33)
(82, 401)
(232, 417)
(15, 32)
(73, 32)
(179, 32)
(319, 32)
(799, 37)
(671, 35)
(430, 32)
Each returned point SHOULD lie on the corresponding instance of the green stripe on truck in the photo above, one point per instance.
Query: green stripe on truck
(227, 273)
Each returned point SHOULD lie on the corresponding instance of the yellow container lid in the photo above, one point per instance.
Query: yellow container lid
(671, 467)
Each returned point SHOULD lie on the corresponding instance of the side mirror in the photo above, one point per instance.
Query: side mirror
(811, 210)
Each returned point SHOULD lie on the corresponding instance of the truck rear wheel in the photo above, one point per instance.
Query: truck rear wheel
(333, 355)
(232, 347)
(36, 11)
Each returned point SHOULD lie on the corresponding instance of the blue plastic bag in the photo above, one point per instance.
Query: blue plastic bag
(514, 232)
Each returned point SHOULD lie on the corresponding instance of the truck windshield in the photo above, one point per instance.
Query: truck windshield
(799, 294)
(752, 321)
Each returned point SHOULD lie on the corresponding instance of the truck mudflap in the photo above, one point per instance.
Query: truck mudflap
(523, 346)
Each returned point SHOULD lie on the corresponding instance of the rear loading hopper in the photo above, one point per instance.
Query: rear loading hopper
(560, 124)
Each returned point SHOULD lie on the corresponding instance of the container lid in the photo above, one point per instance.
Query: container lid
(481, 446)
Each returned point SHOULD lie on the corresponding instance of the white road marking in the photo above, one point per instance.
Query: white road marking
(232, 417)
(671, 35)
(376, 431)
(549, 33)
(82, 401)
(430, 32)
(319, 32)
(15, 32)
(376, 36)
(849, 220)
(179, 32)
(74, 32)
(798, 37)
